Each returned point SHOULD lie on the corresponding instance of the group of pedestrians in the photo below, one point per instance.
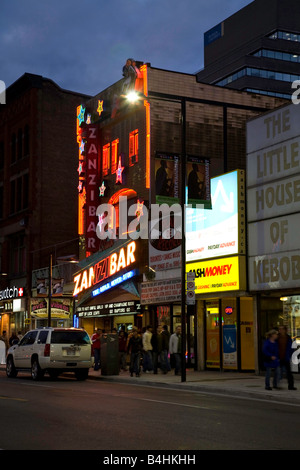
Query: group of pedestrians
(277, 353)
(154, 349)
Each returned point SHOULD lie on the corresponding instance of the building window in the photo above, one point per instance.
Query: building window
(268, 93)
(285, 36)
(1, 155)
(278, 55)
(26, 140)
(133, 147)
(105, 159)
(19, 188)
(18, 254)
(1, 201)
(20, 144)
(13, 148)
(254, 72)
(114, 155)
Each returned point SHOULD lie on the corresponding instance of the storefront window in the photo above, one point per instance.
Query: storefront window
(291, 316)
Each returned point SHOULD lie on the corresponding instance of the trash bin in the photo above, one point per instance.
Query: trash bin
(110, 355)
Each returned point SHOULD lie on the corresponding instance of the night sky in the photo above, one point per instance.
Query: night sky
(83, 45)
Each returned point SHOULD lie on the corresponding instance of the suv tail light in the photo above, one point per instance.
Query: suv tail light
(47, 350)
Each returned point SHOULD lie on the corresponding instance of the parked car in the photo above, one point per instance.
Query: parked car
(52, 350)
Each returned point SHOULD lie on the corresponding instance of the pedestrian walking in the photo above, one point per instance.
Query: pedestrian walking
(165, 345)
(175, 348)
(135, 347)
(147, 348)
(4, 338)
(96, 347)
(271, 359)
(13, 339)
(154, 343)
(285, 354)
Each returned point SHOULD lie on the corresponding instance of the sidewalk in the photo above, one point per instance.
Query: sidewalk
(235, 384)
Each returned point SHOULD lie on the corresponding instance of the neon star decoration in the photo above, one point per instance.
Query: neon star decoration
(139, 210)
(100, 107)
(102, 189)
(79, 187)
(82, 146)
(80, 168)
(101, 220)
(119, 172)
(80, 116)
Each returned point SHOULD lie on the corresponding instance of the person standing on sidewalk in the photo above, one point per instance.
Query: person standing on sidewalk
(285, 354)
(271, 359)
(135, 347)
(147, 346)
(96, 344)
(175, 348)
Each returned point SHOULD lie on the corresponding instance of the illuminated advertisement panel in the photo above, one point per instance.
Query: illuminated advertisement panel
(220, 231)
(225, 274)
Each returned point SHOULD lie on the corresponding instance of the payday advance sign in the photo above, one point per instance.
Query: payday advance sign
(273, 190)
(223, 274)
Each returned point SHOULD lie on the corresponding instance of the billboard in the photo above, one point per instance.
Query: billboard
(220, 231)
(273, 193)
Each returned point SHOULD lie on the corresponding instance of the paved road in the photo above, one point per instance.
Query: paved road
(102, 415)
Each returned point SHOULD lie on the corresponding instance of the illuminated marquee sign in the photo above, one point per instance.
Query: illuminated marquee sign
(224, 274)
(92, 189)
(106, 268)
(11, 293)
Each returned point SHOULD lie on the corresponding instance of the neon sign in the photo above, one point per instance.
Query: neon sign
(91, 186)
(119, 172)
(105, 268)
(11, 293)
(114, 283)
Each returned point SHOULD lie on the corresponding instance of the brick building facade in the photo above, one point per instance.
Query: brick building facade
(38, 199)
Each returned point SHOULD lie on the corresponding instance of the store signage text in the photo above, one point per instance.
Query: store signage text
(225, 274)
(92, 186)
(11, 293)
(115, 308)
(105, 268)
(273, 165)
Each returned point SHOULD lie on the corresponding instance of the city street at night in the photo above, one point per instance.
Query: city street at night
(108, 416)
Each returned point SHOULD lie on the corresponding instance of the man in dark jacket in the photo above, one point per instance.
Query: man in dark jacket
(285, 354)
(135, 347)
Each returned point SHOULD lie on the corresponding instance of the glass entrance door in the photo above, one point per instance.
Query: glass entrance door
(212, 334)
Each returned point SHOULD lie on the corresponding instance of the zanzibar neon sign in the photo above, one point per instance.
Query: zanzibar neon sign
(105, 268)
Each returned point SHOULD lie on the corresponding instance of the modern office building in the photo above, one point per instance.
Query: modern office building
(256, 49)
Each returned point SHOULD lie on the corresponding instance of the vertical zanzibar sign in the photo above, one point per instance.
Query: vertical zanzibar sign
(91, 188)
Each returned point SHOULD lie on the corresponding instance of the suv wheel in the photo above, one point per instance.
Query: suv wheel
(11, 371)
(36, 372)
(81, 374)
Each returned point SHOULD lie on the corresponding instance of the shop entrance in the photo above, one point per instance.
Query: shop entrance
(229, 334)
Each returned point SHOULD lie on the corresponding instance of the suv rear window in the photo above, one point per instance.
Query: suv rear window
(70, 337)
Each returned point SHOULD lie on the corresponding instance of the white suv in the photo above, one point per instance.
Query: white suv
(52, 350)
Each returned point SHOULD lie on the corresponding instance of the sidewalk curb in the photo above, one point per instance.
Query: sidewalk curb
(274, 395)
